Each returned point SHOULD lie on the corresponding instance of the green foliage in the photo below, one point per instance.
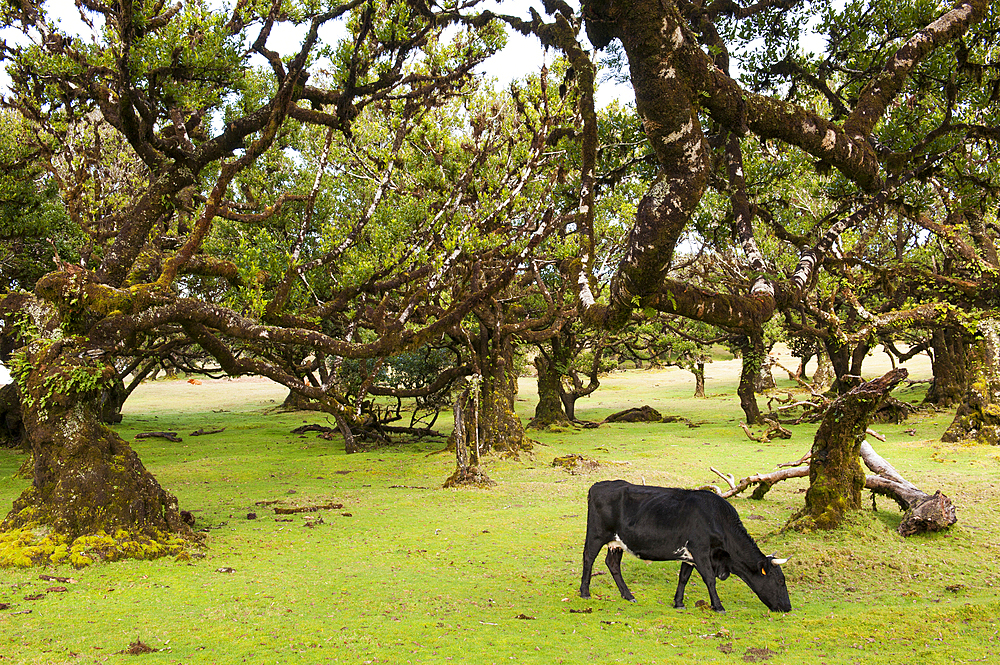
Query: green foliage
(31, 212)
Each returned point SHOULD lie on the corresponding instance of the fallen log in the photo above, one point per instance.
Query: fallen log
(169, 436)
(313, 428)
(202, 431)
(292, 510)
(922, 511)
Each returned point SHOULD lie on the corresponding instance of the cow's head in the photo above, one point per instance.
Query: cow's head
(768, 582)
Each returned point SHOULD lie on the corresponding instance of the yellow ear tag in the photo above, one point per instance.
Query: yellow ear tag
(763, 572)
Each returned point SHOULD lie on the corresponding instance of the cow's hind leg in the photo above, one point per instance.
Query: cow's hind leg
(614, 561)
(682, 580)
(591, 548)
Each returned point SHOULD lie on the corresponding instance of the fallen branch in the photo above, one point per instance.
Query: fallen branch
(923, 512)
(202, 431)
(313, 428)
(878, 436)
(774, 430)
(799, 462)
(763, 481)
(795, 405)
(169, 436)
(282, 510)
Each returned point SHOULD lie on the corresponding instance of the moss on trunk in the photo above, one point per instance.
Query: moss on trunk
(500, 428)
(752, 351)
(835, 474)
(950, 367)
(90, 497)
(978, 415)
(549, 410)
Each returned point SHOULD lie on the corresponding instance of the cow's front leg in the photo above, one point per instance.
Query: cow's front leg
(682, 580)
(614, 561)
(709, 579)
(703, 562)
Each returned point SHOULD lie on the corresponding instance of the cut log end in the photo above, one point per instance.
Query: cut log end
(931, 514)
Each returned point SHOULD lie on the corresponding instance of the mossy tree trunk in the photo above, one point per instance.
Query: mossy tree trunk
(87, 481)
(978, 414)
(699, 379)
(466, 441)
(562, 378)
(11, 425)
(500, 428)
(550, 409)
(765, 377)
(823, 376)
(949, 366)
(835, 474)
(752, 351)
(846, 362)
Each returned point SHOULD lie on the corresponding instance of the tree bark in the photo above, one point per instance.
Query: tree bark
(465, 438)
(835, 475)
(924, 512)
(765, 379)
(11, 425)
(752, 351)
(550, 407)
(823, 376)
(699, 379)
(949, 367)
(500, 428)
(978, 416)
(87, 481)
(846, 363)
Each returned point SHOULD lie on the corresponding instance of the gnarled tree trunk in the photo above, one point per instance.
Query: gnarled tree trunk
(550, 409)
(823, 376)
(835, 475)
(978, 416)
(699, 379)
(752, 351)
(465, 438)
(11, 425)
(949, 366)
(500, 428)
(90, 497)
(846, 362)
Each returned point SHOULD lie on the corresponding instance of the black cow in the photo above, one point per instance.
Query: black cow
(696, 527)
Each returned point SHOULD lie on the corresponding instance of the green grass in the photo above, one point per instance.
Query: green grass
(420, 574)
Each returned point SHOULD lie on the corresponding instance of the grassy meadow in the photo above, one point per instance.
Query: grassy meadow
(406, 572)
